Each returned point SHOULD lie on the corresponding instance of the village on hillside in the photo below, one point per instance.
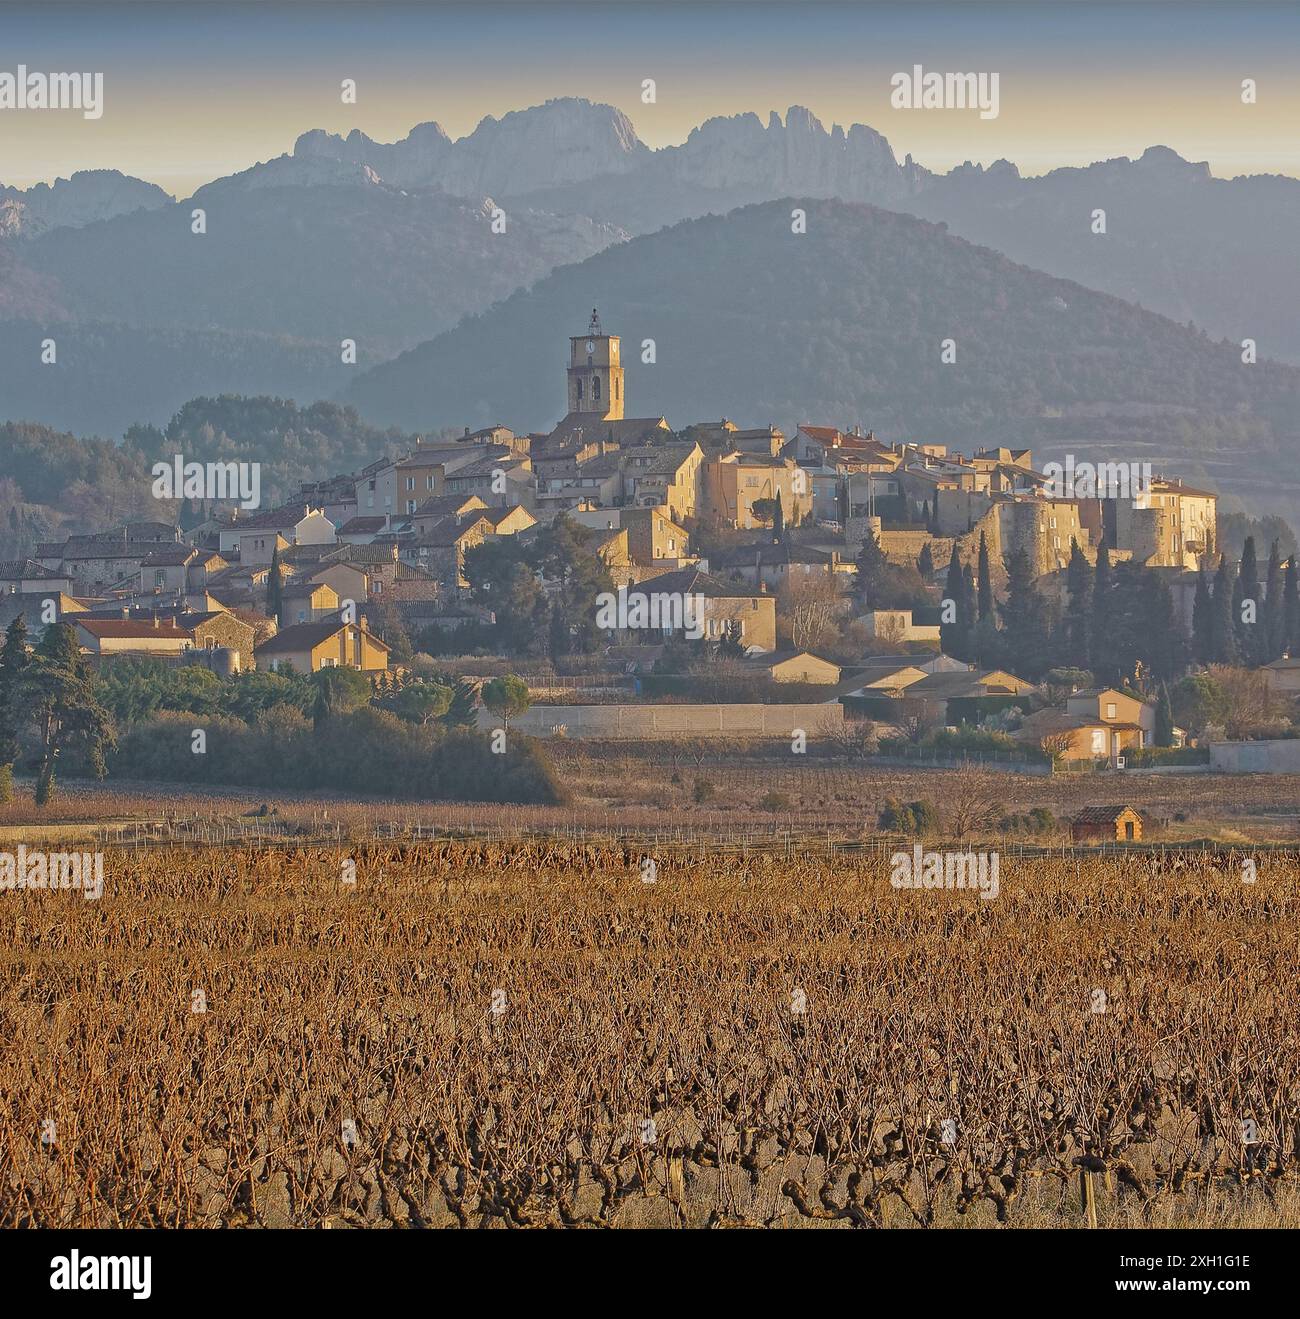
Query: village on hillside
(645, 582)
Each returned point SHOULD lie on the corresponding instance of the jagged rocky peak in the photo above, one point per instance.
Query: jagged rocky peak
(1168, 161)
(567, 140)
(89, 195)
(798, 153)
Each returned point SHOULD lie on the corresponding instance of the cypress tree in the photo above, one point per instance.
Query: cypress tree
(13, 660)
(1100, 650)
(952, 639)
(1202, 621)
(925, 563)
(1164, 731)
(1077, 630)
(1025, 621)
(1223, 635)
(985, 581)
(274, 587)
(1273, 631)
(1291, 610)
(967, 611)
(1247, 588)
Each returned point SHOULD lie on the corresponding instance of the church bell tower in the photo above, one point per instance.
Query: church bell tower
(595, 375)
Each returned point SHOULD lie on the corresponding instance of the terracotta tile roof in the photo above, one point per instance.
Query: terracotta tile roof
(127, 628)
(305, 636)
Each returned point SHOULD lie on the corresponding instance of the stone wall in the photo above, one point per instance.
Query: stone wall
(1269, 756)
(673, 721)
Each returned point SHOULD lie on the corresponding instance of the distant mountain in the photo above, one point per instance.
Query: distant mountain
(393, 244)
(89, 195)
(1224, 253)
(384, 266)
(564, 141)
(843, 325)
(148, 314)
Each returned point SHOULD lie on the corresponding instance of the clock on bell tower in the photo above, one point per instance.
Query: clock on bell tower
(595, 374)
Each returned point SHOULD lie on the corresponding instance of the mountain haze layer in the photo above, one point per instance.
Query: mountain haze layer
(844, 325)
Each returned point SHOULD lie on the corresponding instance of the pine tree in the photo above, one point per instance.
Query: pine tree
(462, 712)
(872, 563)
(57, 689)
(1202, 621)
(274, 587)
(1223, 635)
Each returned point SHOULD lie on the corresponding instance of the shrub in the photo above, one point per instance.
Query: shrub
(915, 817)
(774, 801)
(703, 791)
(366, 751)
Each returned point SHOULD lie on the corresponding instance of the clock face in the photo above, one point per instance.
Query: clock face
(591, 347)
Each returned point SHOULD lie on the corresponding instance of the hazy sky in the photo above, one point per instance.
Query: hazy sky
(199, 90)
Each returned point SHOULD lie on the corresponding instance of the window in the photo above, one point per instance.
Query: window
(616, 389)
(579, 387)
(410, 505)
(1110, 709)
(428, 482)
(159, 577)
(595, 388)
(1098, 741)
(410, 483)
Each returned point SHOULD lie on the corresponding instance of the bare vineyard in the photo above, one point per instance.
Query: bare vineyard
(531, 1034)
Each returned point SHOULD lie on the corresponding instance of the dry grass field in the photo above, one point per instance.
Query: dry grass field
(526, 1035)
(642, 788)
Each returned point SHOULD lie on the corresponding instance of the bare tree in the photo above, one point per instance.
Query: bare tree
(856, 738)
(1055, 746)
(807, 610)
(972, 805)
